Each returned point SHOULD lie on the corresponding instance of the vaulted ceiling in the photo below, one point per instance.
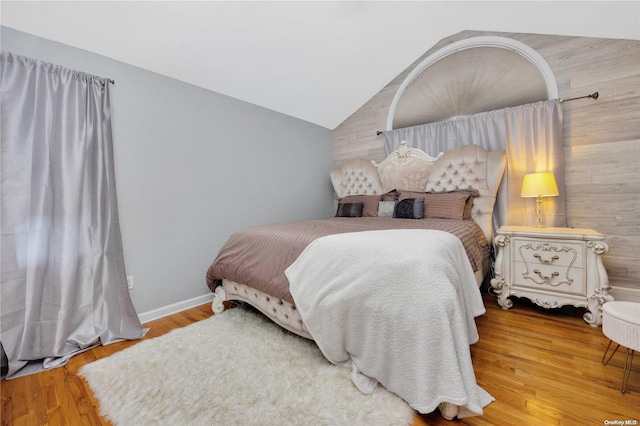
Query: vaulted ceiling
(317, 61)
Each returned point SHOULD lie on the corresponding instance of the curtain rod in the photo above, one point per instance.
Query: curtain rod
(594, 95)
(111, 81)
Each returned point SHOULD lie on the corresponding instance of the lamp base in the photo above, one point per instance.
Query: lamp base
(539, 212)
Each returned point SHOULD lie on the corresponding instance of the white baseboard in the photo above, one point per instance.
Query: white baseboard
(618, 293)
(175, 307)
(625, 294)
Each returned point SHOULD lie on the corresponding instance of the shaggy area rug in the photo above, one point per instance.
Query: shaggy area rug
(235, 368)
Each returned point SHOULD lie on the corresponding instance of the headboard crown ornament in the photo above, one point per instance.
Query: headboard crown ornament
(404, 150)
(405, 168)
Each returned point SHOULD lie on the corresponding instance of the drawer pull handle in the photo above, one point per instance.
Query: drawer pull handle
(545, 261)
(546, 279)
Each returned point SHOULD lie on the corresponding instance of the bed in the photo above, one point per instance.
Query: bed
(394, 205)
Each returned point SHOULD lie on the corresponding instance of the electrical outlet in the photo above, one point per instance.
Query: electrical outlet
(130, 282)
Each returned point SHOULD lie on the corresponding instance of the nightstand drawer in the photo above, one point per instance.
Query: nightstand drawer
(560, 253)
(557, 278)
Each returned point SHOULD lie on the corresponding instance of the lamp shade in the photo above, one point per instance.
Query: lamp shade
(539, 185)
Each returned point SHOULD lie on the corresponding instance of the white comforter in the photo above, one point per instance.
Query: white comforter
(398, 304)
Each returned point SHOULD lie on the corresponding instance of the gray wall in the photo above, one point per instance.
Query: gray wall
(192, 167)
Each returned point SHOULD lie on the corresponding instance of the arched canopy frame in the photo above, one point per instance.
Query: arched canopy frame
(484, 41)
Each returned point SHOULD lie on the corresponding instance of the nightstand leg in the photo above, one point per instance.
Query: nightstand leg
(498, 283)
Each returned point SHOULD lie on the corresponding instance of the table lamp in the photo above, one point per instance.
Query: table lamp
(539, 185)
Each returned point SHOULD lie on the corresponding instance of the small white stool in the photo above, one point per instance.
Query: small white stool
(621, 324)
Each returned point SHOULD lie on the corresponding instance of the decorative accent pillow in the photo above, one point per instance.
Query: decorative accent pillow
(385, 208)
(409, 208)
(370, 203)
(349, 210)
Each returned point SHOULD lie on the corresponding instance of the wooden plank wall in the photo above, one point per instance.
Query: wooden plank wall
(601, 137)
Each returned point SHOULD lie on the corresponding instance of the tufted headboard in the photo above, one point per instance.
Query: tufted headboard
(411, 169)
(471, 167)
(356, 177)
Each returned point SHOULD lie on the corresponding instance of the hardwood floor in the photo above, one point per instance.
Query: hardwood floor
(542, 367)
(60, 397)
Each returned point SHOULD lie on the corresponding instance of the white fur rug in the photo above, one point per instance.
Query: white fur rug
(235, 368)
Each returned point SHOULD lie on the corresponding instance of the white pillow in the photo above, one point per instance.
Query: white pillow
(385, 208)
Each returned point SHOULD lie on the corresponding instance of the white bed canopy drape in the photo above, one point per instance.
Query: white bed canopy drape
(530, 134)
(64, 286)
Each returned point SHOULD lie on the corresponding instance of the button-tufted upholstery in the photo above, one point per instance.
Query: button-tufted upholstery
(280, 311)
(356, 177)
(471, 166)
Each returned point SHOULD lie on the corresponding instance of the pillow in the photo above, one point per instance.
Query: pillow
(409, 208)
(349, 210)
(370, 203)
(450, 205)
(411, 194)
(445, 205)
(385, 208)
(473, 194)
(390, 196)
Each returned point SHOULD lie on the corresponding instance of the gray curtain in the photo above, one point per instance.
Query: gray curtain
(530, 134)
(64, 286)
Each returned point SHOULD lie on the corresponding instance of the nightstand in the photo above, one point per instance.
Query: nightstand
(552, 267)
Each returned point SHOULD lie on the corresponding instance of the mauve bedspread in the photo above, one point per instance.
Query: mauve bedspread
(258, 256)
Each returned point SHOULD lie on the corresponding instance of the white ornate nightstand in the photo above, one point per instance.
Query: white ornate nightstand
(552, 267)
